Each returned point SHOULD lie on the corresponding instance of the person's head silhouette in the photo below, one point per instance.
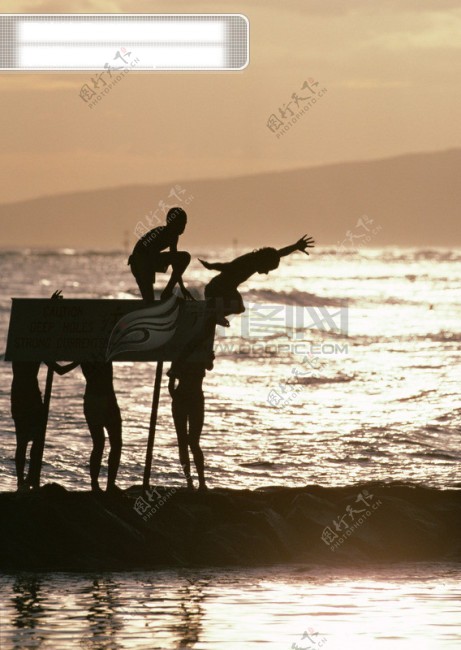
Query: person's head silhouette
(266, 259)
(176, 220)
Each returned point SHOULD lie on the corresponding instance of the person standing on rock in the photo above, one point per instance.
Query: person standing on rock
(101, 412)
(29, 416)
(28, 412)
(188, 410)
(149, 257)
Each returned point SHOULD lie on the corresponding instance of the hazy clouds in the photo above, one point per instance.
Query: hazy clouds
(391, 70)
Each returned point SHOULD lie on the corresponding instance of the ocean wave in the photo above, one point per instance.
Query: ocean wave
(259, 464)
(434, 454)
(416, 396)
(301, 298)
(444, 337)
(390, 253)
(420, 254)
(340, 378)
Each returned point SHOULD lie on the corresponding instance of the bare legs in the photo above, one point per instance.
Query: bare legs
(22, 440)
(188, 410)
(180, 422)
(97, 435)
(179, 262)
(145, 282)
(225, 302)
(115, 439)
(196, 419)
(36, 453)
(20, 461)
(144, 273)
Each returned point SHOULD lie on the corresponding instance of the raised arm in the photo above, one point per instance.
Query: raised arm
(61, 370)
(301, 245)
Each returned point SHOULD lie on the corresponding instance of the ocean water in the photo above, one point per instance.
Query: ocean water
(280, 608)
(379, 400)
(291, 401)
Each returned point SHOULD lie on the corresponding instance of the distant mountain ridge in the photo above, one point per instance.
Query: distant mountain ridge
(413, 198)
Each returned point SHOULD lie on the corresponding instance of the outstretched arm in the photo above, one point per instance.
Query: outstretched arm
(301, 245)
(62, 370)
(214, 266)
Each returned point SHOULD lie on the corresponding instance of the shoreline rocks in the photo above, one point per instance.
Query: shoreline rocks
(55, 529)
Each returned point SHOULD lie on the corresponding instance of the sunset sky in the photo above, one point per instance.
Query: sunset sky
(391, 70)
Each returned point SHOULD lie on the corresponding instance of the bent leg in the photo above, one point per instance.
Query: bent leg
(233, 303)
(179, 262)
(145, 278)
(225, 300)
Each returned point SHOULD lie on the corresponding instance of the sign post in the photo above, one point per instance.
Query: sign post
(152, 426)
(102, 331)
(46, 410)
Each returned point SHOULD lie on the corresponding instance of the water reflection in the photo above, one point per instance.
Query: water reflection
(104, 615)
(112, 614)
(29, 616)
(189, 625)
(414, 605)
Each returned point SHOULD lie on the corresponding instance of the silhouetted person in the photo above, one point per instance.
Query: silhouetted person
(188, 409)
(222, 289)
(101, 412)
(28, 414)
(147, 257)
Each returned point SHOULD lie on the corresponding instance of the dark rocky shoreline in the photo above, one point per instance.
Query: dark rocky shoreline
(54, 529)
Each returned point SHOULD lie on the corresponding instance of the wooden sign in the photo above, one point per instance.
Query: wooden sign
(109, 330)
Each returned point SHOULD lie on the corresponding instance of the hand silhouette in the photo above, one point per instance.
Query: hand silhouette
(187, 295)
(303, 243)
(210, 364)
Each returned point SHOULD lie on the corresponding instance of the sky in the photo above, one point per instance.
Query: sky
(391, 70)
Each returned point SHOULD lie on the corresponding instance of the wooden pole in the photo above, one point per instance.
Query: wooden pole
(46, 409)
(152, 426)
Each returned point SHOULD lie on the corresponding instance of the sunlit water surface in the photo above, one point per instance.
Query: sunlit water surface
(385, 405)
(409, 606)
